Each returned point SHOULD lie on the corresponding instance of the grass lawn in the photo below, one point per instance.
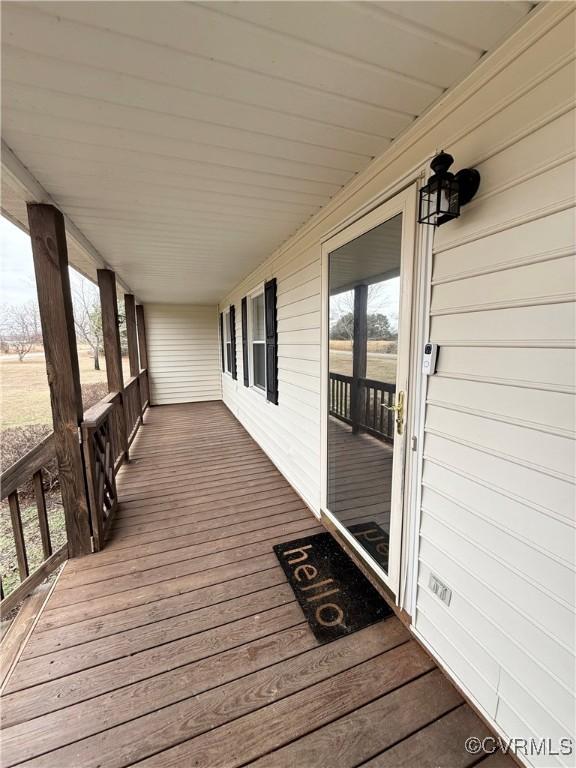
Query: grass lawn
(379, 366)
(24, 392)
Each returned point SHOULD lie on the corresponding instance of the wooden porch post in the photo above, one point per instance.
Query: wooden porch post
(111, 338)
(110, 330)
(130, 309)
(142, 336)
(131, 335)
(143, 352)
(359, 354)
(48, 235)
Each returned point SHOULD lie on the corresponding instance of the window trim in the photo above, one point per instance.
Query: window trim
(258, 291)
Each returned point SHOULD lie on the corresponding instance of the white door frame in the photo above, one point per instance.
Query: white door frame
(405, 202)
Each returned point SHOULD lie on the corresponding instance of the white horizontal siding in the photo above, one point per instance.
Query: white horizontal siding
(497, 518)
(183, 353)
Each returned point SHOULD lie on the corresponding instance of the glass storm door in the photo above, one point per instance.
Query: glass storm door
(367, 273)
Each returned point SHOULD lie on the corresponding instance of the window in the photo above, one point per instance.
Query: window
(227, 343)
(258, 341)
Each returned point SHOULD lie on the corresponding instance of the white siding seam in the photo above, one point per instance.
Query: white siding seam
(524, 261)
(536, 125)
(502, 491)
(496, 524)
(508, 343)
(464, 658)
(504, 456)
(536, 301)
(569, 606)
(562, 727)
(542, 212)
(441, 606)
(500, 596)
(491, 416)
(520, 383)
(515, 181)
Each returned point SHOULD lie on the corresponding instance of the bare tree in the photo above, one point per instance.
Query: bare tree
(20, 326)
(88, 318)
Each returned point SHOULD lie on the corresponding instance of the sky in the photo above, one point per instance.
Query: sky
(18, 282)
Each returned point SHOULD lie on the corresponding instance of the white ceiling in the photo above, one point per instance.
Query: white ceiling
(188, 140)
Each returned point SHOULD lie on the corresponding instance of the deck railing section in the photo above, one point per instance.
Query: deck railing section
(29, 469)
(100, 442)
(369, 414)
(132, 407)
(108, 429)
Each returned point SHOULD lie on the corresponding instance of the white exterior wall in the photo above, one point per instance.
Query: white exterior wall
(497, 512)
(183, 353)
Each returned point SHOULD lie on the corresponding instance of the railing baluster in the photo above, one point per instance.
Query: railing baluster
(42, 515)
(18, 532)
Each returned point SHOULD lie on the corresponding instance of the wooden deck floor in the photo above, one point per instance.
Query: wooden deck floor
(181, 644)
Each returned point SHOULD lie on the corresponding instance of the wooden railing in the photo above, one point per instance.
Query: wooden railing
(359, 403)
(108, 429)
(340, 396)
(132, 407)
(100, 441)
(144, 388)
(29, 468)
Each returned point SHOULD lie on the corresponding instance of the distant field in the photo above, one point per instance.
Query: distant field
(381, 367)
(24, 392)
(374, 345)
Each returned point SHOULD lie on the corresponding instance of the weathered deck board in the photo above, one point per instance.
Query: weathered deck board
(182, 644)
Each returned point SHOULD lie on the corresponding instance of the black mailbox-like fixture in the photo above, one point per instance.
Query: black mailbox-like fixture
(445, 193)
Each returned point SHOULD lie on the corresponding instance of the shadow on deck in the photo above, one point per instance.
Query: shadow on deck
(181, 644)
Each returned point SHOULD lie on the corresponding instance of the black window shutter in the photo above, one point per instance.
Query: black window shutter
(244, 308)
(222, 341)
(271, 341)
(234, 370)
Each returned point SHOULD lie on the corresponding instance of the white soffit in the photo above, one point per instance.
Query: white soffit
(187, 141)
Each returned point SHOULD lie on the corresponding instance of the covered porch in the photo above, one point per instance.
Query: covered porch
(181, 643)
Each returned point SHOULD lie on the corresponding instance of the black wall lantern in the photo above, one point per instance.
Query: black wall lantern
(444, 194)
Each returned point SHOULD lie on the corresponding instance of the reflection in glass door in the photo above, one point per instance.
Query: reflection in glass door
(365, 411)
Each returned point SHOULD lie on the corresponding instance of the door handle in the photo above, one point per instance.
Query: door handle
(398, 409)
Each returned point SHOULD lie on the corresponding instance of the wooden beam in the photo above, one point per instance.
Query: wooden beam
(142, 336)
(130, 310)
(50, 254)
(359, 353)
(110, 330)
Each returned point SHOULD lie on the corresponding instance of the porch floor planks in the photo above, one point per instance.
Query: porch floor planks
(181, 643)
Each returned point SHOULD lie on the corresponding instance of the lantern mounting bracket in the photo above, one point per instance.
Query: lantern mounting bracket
(468, 183)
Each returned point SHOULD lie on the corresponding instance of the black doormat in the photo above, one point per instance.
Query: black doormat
(336, 597)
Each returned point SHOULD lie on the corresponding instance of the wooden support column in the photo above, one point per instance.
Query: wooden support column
(132, 337)
(111, 339)
(48, 236)
(110, 330)
(142, 336)
(130, 309)
(359, 354)
(143, 352)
